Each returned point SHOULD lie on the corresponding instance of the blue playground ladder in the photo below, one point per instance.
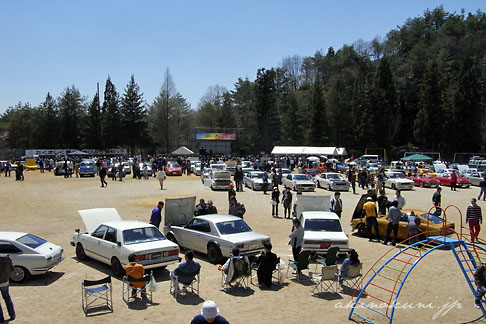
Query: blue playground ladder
(395, 271)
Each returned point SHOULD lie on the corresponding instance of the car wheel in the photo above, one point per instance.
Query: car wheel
(362, 230)
(214, 253)
(329, 187)
(172, 238)
(19, 274)
(421, 184)
(393, 186)
(318, 184)
(212, 188)
(116, 267)
(80, 254)
(253, 187)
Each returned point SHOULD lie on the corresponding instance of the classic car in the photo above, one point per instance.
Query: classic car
(87, 168)
(246, 170)
(254, 180)
(215, 235)
(173, 168)
(218, 179)
(322, 229)
(149, 168)
(425, 171)
(218, 166)
(127, 167)
(312, 172)
(425, 181)
(59, 168)
(429, 222)
(444, 176)
(332, 181)
(397, 180)
(205, 174)
(476, 178)
(468, 172)
(30, 255)
(300, 182)
(110, 240)
(196, 168)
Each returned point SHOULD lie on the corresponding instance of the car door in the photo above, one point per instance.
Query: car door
(197, 234)
(14, 252)
(93, 243)
(107, 246)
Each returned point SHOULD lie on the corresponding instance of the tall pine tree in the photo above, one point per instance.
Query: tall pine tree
(134, 113)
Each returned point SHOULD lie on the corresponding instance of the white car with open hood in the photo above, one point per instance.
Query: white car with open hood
(30, 254)
(111, 240)
(322, 228)
(215, 235)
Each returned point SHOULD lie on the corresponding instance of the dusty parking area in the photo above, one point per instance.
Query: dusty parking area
(47, 206)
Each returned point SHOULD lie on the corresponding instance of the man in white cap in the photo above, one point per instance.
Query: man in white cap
(209, 314)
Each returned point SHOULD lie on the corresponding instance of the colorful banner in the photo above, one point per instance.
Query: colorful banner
(216, 136)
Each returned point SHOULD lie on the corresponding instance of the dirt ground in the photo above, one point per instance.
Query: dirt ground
(47, 206)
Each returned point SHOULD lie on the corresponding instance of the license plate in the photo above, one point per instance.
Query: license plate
(155, 256)
(253, 247)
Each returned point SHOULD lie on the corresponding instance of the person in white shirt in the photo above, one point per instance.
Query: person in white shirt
(401, 200)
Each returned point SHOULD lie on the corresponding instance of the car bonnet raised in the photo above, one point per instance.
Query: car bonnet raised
(179, 211)
(94, 217)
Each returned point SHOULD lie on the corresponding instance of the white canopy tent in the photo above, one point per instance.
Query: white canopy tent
(308, 150)
(183, 151)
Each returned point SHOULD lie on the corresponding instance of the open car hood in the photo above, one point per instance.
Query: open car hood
(358, 210)
(312, 203)
(179, 211)
(94, 217)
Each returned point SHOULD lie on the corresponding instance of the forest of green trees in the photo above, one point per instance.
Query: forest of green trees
(421, 87)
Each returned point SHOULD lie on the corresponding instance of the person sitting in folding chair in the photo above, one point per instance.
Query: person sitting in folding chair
(136, 271)
(236, 269)
(352, 259)
(266, 262)
(180, 273)
(228, 267)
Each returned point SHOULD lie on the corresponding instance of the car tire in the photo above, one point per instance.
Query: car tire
(19, 274)
(116, 267)
(318, 184)
(393, 186)
(80, 253)
(421, 184)
(362, 230)
(212, 189)
(214, 253)
(172, 238)
(253, 187)
(329, 187)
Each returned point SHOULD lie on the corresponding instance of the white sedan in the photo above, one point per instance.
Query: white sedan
(322, 230)
(254, 180)
(397, 180)
(215, 235)
(300, 182)
(110, 240)
(30, 254)
(331, 181)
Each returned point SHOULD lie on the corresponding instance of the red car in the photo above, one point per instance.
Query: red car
(312, 172)
(424, 181)
(173, 168)
(445, 179)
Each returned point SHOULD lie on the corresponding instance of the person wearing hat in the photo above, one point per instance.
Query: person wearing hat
(231, 191)
(209, 314)
(211, 208)
(369, 210)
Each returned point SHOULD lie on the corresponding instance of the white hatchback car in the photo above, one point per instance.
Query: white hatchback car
(397, 180)
(30, 254)
(111, 240)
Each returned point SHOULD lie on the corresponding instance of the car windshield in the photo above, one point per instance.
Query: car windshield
(300, 177)
(173, 165)
(426, 171)
(396, 175)
(86, 163)
(31, 241)
(311, 171)
(257, 175)
(217, 166)
(434, 219)
(323, 225)
(142, 235)
(334, 176)
(233, 227)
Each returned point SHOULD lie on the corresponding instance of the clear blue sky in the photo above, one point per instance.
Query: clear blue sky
(46, 46)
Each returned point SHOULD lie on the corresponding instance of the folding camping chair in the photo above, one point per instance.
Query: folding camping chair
(301, 264)
(240, 271)
(94, 291)
(330, 258)
(353, 277)
(128, 292)
(327, 281)
(190, 280)
(276, 274)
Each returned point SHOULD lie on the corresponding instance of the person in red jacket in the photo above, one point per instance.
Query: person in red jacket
(453, 180)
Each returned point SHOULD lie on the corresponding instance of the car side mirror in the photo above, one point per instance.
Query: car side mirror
(77, 230)
(118, 244)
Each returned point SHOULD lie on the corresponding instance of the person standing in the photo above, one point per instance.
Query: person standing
(337, 204)
(209, 314)
(393, 218)
(265, 182)
(102, 175)
(296, 238)
(382, 201)
(211, 208)
(156, 216)
(120, 172)
(474, 219)
(369, 209)
(453, 180)
(401, 200)
(352, 179)
(287, 201)
(161, 176)
(235, 208)
(76, 168)
(145, 171)
(436, 200)
(6, 268)
(480, 281)
(238, 177)
(275, 201)
(482, 186)
(231, 191)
